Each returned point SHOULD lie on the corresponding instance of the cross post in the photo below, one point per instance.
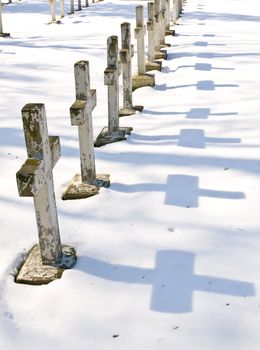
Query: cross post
(62, 13)
(168, 31)
(88, 183)
(52, 8)
(141, 79)
(35, 179)
(126, 53)
(2, 34)
(72, 9)
(113, 133)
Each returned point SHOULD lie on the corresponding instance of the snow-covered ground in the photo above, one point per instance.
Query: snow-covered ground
(168, 256)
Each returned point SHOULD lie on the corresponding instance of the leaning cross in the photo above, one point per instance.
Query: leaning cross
(113, 133)
(126, 54)
(35, 179)
(141, 79)
(88, 183)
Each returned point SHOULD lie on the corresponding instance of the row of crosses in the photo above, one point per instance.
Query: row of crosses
(47, 260)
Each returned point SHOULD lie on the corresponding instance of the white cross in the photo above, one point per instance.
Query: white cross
(35, 179)
(113, 133)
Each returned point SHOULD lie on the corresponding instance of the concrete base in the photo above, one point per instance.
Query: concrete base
(162, 54)
(170, 32)
(34, 272)
(78, 190)
(105, 137)
(164, 44)
(124, 112)
(139, 81)
(153, 66)
(4, 35)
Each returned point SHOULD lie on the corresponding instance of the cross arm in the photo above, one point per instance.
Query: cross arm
(150, 26)
(54, 142)
(124, 56)
(80, 108)
(30, 177)
(110, 75)
(139, 31)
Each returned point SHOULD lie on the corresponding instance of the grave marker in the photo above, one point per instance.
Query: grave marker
(113, 133)
(151, 64)
(88, 183)
(163, 23)
(2, 34)
(159, 54)
(126, 54)
(141, 78)
(47, 260)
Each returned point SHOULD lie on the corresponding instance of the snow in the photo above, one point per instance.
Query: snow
(168, 256)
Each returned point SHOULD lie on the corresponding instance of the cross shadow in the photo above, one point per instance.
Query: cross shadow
(172, 280)
(184, 191)
(207, 85)
(205, 44)
(180, 190)
(204, 113)
(192, 138)
(198, 66)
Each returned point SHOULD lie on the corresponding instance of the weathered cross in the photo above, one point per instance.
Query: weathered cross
(151, 64)
(181, 190)
(89, 182)
(35, 179)
(141, 79)
(173, 280)
(157, 32)
(2, 34)
(168, 31)
(126, 53)
(163, 23)
(113, 133)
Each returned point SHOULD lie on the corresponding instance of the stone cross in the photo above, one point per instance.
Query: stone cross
(157, 32)
(52, 8)
(151, 64)
(88, 183)
(113, 133)
(62, 13)
(2, 34)
(72, 9)
(163, 23)
(168, 31)
(173, 280)
(141, 79)
(140, 31)
(35, 179)
(126, 53)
